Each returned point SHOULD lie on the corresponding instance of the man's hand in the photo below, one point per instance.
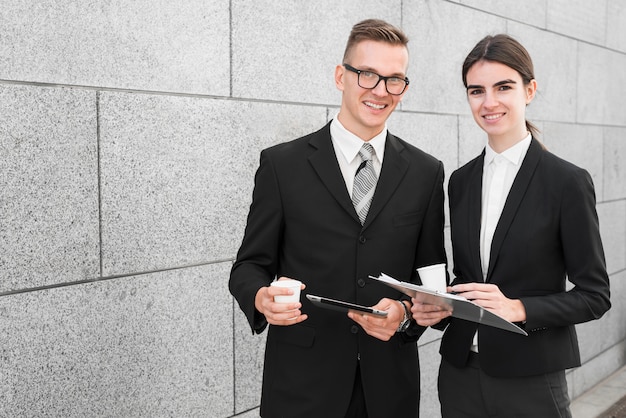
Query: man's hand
(382, 328)
(278, 313)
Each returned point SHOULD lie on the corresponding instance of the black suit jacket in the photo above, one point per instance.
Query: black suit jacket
(302, 224)
(548, 231)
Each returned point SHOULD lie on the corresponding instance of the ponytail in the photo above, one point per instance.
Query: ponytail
(534, 131)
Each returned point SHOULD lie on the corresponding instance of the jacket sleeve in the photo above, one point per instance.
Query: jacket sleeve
(256, 262)
(589, 298)
(430, 246)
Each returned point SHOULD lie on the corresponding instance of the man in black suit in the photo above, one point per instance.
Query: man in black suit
(303, 225)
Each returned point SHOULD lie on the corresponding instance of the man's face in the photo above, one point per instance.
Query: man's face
(365, 111)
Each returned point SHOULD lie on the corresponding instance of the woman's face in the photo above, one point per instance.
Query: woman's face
(498, 97)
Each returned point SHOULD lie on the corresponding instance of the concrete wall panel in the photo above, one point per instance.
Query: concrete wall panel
(596, 370)
(613, 230)
(177, 174)
(429, 370)
(249, 356)
(572, 143)
(290, 56)
(145, 45)
(142, 346)
(531, 12)
(442, 34)
(578, 19)
(49, 186)
(601, 86)
(614, 167)
(615, 33)
(555, 99)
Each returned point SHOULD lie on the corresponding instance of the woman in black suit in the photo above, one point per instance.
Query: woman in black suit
(523, 222)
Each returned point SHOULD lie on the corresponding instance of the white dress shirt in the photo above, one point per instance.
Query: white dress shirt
(347, 146)
(499, 170)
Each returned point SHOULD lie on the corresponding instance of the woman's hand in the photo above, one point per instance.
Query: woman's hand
(490, 297)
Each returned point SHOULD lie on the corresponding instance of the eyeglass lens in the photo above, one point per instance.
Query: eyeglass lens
(369, 80)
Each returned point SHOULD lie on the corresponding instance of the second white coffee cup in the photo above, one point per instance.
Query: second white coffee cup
(433, 277)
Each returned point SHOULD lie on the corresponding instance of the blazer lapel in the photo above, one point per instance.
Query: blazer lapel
(474, 215)
(393, 170)
(513, 201)
(324, 162)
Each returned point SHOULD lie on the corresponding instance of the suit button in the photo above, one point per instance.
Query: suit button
(361, 282)
(362, 239)
(354, 329)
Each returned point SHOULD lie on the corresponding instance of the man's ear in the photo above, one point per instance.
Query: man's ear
(339, 72)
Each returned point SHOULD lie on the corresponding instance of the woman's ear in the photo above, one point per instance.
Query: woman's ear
(531, 90)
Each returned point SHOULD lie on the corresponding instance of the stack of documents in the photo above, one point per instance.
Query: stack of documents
(461, 308)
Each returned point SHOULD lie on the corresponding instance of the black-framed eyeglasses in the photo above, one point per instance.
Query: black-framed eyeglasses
(369, 80)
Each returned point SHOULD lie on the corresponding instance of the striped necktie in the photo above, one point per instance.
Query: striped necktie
(364, 182)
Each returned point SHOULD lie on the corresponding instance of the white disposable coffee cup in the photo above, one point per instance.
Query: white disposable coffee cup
(433, 277)
(290, 284)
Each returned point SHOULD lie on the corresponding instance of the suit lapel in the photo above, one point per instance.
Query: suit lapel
(473, 214)
(513, 201)
(324, 162)
(393, 170)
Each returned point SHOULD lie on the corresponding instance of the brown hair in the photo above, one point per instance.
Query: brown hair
(505, 50)
(374, 30)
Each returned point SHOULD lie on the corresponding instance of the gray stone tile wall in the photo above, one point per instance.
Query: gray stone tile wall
(158, 344)
(49, 189)
(130, 133)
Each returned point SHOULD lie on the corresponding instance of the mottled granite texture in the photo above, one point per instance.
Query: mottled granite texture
(49, 186)
(177, 174)
(159, 344)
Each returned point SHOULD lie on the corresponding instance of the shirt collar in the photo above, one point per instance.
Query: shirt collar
(350, 144)
(515, 155)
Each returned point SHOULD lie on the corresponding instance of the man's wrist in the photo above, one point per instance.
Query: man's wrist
(406, 320)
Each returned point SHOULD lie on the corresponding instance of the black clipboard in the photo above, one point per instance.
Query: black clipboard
(461, 308)
(341, 305)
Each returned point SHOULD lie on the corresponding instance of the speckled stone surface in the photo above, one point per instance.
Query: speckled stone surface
(613, 231)
(554, 100)
(144, 346)
(596, 370)
(615, 33)
(572, 143)
(49, 186)
(301, 44)
(532, 12)
(434, 134)
(441, 35)
(605, 395)
(177, 174)
(600, 87)
(249, 356)
(614, 167)
(579, 19)
(429, 370)
(164, 46)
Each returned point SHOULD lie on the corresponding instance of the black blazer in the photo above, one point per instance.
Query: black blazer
(302, 224)
(548, 231)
